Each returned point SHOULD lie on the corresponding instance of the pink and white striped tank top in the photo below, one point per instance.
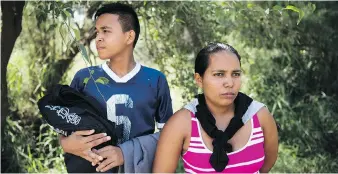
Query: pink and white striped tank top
(248, 159)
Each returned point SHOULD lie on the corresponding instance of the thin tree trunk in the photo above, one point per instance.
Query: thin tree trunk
(12, 12)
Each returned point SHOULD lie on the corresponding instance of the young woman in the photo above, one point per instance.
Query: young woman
(222, 130)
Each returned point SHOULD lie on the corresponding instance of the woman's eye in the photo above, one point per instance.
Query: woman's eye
(218, 74)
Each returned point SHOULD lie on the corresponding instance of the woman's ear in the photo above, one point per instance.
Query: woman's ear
(198, 80)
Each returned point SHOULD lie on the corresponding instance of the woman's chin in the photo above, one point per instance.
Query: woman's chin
(226, 102)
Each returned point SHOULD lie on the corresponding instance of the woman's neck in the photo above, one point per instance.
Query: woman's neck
(221, 111)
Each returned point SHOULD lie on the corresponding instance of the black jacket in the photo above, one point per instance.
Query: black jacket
(67, 110)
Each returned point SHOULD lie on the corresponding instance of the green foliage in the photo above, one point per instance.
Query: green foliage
(36, 64)
(292, 71)
(32, 149)
(288, 161)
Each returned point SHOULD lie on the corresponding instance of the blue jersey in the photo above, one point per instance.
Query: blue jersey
(134, 102)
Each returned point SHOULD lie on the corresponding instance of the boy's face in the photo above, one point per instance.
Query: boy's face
(110, 38)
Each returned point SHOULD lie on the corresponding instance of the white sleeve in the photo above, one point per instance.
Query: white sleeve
(254, 107)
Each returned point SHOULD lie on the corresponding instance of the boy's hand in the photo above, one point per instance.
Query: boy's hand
(112, 157)
(78, 144)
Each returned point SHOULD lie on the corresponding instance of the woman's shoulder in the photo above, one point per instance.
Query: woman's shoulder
(181, 116)
(264, 116)
(179, 122)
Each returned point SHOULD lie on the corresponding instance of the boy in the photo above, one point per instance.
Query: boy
(134, 95)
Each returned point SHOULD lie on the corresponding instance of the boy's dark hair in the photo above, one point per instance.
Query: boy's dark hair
(127, 17)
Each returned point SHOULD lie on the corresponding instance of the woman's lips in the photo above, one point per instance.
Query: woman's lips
(228, 95)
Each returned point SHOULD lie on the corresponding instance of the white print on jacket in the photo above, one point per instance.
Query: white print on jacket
(63, 112)
(120, 119)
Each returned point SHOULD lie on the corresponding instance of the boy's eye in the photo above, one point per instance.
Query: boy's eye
(236, 74)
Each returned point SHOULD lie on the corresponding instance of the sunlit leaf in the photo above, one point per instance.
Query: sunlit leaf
(250, 5)
(267, 11)
(102, 80)
(67, 13)
(85, 80)
(295, 9)
(84, 52)
(77, 33)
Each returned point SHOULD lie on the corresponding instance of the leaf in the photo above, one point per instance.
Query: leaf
(250, 5)
(51, 27)
(57, 12)
(102, 80)
(50, 6)
(77, 33)
(295, 9)
(92, 72)
(267, 11)
(67, 13)
(300, 17)
(84, 52)
(70, 11)
(179, 20)
(62, 31)
(64, 15)
(313, 7)
(85, 80)
(277, 7)
(43, 89)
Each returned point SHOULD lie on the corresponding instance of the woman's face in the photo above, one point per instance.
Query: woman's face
(222, 79)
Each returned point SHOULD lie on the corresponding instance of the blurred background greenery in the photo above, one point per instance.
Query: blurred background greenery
(289, 57)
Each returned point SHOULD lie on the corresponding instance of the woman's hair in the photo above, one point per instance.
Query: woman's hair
(202, 58)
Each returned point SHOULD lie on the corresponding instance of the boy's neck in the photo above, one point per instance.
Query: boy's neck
(122, 64)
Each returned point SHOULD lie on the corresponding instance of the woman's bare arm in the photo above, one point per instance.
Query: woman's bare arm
(269, 127)
(170, 144)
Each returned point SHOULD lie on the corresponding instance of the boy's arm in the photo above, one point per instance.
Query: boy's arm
(77, 82)
(139, 153)
(164, 108)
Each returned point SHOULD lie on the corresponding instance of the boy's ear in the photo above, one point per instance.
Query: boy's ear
(130, 36)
